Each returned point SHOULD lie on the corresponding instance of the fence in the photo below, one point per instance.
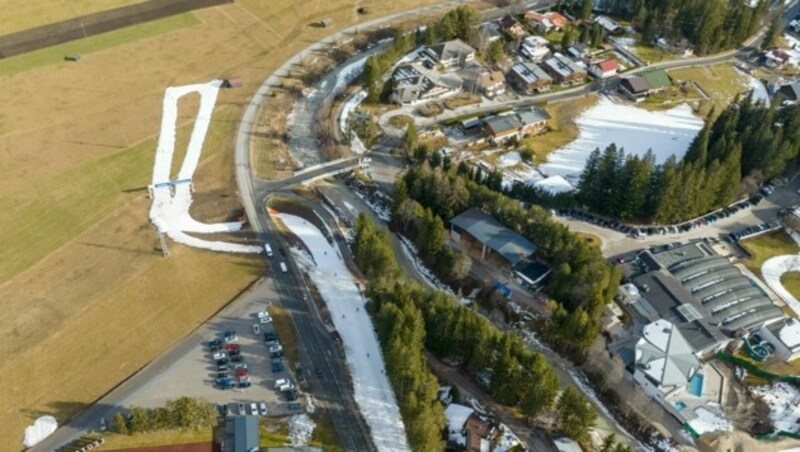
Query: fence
(96, 23)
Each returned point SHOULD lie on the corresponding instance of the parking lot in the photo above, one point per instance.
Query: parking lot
(195, 374)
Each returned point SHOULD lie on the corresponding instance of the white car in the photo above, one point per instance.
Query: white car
(280, 382)
(275, 348)
(254, 409)
(256, 329)
(219, 355)
(265, 320)
(263, 408)
(286, 387)
(238, 366)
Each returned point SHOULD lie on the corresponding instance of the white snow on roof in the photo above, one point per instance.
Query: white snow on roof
(634, 129)
(707, 421)
(792, 48)
(507, 441)
(42, 427)
(784, 404)
(169, 212)
(457, 416)
(373, 393)
(790, 333)
(555, 185)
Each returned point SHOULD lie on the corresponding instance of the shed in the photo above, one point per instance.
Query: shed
(532, 272)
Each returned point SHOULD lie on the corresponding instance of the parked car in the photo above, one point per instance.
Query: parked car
(318, 371)
(256, 329)
(291, 395)
(277, 366)
(253, 409)
(231, 347)
(242, 373)
(237, 358)
(219, 355)
(223, 374)
(294, 406)
(262, 408)
(230, 336)
(241, 409)
(222, 361)
(270, 336)
(223, 410)
(286, 387)
(224, 383)
(280, 382)
(276, 354)
(275, 348)
(264, 317)
(245, 384)
(240, 366)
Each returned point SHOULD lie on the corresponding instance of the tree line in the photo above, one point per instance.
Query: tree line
(184, 413)
(411, 318)
(747, 144)
(710, 25)
(582, 281)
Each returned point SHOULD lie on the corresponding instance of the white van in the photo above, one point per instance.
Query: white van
(283, 267)
(268, 249)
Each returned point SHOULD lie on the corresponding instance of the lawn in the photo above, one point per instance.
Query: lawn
(590, 238)
(563, 129)
(96, 43)
(721, 82)
(651, 54)
(159, 438)
(791, 281)
(400, 121)
(18, 15)
(766, 246)
(283, 325)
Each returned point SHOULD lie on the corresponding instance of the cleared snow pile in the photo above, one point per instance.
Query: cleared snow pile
(773, 268)
(760, 92)
(301, 428)
(784, 404)
(346, 304)
(509, 159)
(356, 145)
(707, 421)
(456, 416)
(507, 440)
(665, 132)
(413, 254)
(554, 185)
(41, 428)
(169, 212)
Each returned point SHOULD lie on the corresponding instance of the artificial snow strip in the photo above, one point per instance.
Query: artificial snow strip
(346, 304)
(169, 212)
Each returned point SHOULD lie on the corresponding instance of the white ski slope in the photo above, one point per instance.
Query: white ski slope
(344, 300)
(169, 211)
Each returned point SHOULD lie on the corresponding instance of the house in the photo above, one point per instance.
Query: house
(493, 84)
(637, 87)
(512, 27)
(515, 124)
(789, 92)
(657, 80)
(491, 31)
(563, 70)
(478, 432)
(608, 24)
(604, 69)
(664, 361)
(451, 54)
(534, 48)
(794, 25)
(775, 58)
(529, 77)
(544, 23)
(413, 83)
(784, 335)
(578, 51)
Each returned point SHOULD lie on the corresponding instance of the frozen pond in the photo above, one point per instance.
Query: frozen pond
(634, 129)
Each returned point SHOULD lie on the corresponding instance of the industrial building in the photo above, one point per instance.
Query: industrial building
(481, 228)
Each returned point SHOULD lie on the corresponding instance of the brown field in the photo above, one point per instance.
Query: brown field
(87, 298)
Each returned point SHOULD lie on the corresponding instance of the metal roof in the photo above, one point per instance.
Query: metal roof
(532, 271)
(731, 296)
(530, 72)
(656, 78)
(712, 277)
(699, 266)
(665, 356)
(755, 317)
(485, 229)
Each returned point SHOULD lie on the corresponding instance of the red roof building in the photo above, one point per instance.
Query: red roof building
(604, 69)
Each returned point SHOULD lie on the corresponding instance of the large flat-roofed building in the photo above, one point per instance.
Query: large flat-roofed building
(784, 335)
(491, 235)
(707, 298)
(240, 434)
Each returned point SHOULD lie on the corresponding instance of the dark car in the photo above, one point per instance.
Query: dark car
(223, 374)
(223, 410)
(245, 384)
(222, 361)
(318, 371)
(236, 358)
(235, 352)
(300, 373)
(277, 366)
(291, 395)
(270, 336)
(278, 354)
(223, 368)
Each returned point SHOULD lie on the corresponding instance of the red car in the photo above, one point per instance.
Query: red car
(231, 347)
(241, 373)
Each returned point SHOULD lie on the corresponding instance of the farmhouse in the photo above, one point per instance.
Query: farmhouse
(530, 78)
(482, 229)
(506, 126)
(637, 87)
(493, 84)
(563, 70)
(532, 273)
(604, 69)
(451, 54)
(534, 48)
(413, 83)
(708, 299)
(775, 58)
(512, 27)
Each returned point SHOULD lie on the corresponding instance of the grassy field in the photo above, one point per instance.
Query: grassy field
(86, 46)
(400, 121)
(721, 82)
(766, 246)
(159, 438)
(791, 281)
(275, 433)
(285, 329)
(653, 54)
(562, 126)
(88, 300)
(18, 15)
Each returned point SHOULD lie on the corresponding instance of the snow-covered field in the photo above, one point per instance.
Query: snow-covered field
(169, 211)
(773, 268)
(784, 404)
(634, 129)
(759, 90)
(373, 393)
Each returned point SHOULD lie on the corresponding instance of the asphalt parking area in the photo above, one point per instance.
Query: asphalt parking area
(195, 373)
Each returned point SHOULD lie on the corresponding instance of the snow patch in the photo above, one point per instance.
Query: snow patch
(356, 145)
(413, 254)
(784, 404)
(707, 421)
(349, 73)
(346, 304)
(636, 130)
(41, 428)
(554, 185)
(509, 159)
(169, 212)
(760, 92)
(507, 440)
(301, 428)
